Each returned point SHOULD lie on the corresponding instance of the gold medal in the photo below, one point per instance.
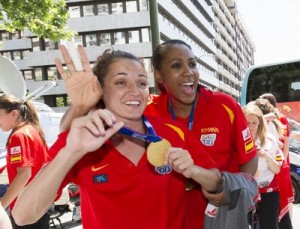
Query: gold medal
(156, 152)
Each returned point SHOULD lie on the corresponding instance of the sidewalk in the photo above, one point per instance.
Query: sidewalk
(296, 216)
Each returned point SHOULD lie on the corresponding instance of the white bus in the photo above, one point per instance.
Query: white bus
(283, 81)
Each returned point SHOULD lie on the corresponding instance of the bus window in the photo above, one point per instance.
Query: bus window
(282, 80)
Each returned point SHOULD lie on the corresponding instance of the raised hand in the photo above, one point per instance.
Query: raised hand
(82, 87)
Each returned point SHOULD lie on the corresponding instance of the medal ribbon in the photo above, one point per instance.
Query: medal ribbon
(191, 117)
(151, 137)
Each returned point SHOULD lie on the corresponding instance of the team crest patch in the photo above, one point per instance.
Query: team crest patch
(163, 170)
(15, 150)
(208, 139)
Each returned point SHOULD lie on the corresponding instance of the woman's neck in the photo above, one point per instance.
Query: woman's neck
(180, 109)
(137, 125)
(18, 125)
(131, 147)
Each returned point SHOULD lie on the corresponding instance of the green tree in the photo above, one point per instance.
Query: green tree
(44, 18)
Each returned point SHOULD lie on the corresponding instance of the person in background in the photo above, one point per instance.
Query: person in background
(284, 177)
(105, 154)
(275, 127)
(4, 219)
(213, 117)
(26, 150)
(270, 160)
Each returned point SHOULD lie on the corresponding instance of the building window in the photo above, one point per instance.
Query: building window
(36, 44)
(27, 74)
(90, 40)
(7, 55)
(102, 9)
(17, 55)
(105, 39)
(62, 101)
(52, 73)
(143, 4)
(38, 73)
(134, 36)
(50, 45)
(74, 11)
(15, 35)
(24, 53)
(116, 8)
(145, 35)
(78, 40)
(131, 6)
(119, 38)
(4, 36)
(88, 11)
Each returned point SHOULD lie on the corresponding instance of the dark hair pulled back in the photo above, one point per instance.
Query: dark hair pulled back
(158, 56)
(159, 51)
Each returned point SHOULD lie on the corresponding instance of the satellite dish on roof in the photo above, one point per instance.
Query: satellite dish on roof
(13, 83)
(11, 79)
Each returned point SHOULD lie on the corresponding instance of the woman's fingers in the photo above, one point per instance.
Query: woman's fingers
(67, 58)
(90, 132)
(69, 63)
(61, 69)
(98, 120)
(113, 129)
(179, 159)
(84, 59)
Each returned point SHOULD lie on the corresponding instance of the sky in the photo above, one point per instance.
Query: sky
(274, 28)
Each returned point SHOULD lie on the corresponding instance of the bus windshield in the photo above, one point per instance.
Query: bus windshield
(282, 80)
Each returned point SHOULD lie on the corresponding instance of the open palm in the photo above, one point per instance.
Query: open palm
(83, 87)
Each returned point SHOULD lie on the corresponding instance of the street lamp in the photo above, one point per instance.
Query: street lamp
(206, 54)
(199, 58)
